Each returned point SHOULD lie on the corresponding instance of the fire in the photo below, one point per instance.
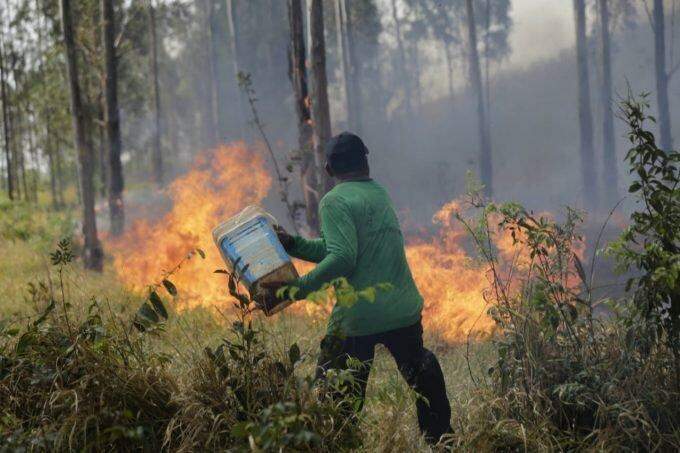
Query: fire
(219, 184)
(223, 181)
(451, 282)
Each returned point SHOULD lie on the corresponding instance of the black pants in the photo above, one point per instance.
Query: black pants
(417, 365)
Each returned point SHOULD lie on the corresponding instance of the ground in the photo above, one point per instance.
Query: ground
(389, 416)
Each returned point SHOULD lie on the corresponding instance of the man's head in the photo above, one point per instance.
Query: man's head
(346, 156)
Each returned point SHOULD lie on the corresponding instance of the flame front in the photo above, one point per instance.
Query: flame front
(223, 181)
(219, 184)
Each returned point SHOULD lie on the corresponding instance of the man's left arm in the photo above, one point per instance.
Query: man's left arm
(340, 234)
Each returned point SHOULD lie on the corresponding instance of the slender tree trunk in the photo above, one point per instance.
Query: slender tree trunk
(345, 40)
(157, 156)
(662, 75)
(112, 119)
(213, 51)
(93, 255)
(49, 150)
(585, 117)
(486, 169)
(102, 148)
(416, 75)
(218, 17)
(342, 52)
(403, 75)
(449, 67)
(235, 58)
(5, 118)
(487, 61)
(59, 175)
(210, 103)
(33, 153)
(17, 143)
(609, 167)
(320, 109)
(298, 78)
(354, 69)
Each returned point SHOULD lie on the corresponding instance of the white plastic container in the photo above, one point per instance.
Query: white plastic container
(248, 239)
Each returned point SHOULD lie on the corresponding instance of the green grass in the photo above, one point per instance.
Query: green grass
(165, 383)
(388, 421)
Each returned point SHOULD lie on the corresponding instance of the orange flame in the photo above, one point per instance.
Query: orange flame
(223, 181)
(219, 184)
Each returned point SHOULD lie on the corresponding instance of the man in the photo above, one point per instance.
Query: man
(361, 240)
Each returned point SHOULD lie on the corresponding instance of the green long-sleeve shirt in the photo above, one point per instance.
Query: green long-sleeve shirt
(361, 240)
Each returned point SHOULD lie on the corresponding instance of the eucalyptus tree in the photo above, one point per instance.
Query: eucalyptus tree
(589, 184)
(93, 255)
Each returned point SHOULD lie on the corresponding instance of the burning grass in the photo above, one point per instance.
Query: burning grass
(76, 375)
(223, 181)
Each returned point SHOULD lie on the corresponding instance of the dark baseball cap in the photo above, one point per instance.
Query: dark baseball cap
(345, 143)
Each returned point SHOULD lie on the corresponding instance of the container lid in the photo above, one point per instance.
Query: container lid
(248, 213)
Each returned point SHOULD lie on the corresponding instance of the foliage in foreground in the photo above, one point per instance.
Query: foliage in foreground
(564, 378)
(96, 383)
(586, 381)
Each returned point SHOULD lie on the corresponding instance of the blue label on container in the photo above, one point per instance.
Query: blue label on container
(256, 244)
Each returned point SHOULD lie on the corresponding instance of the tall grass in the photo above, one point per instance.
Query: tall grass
(85, 365)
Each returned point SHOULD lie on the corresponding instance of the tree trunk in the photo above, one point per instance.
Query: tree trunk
(449, 67)
(235, 58)
(609, 169)
(589, 184)
(342, 52)
(485, 165)
(5, 120)
(60, 176)
(662, 76)
(417, 75)
(93, 255)
(354, 69)
(19, 150)
(345, 40)
(49, 150)
(320, 108)
(298, 78)
(16, 125)
(112, 120)
(157, 156)
(406, 83)
(209, 104)
(102, 148)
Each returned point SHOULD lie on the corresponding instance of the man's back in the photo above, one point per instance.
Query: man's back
(360, 229)
(361, 240)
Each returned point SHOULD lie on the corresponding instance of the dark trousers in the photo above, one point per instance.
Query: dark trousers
(417, 365)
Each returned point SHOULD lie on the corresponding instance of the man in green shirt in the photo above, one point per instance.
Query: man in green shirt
(361, 240)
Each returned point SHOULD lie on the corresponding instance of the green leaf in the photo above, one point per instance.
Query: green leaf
(157, 304)
(294, 354)
(634, 187)
(148, 313)
(45, 313)
(239, 430)
(579, 269)
(170, 287)
(368, 294)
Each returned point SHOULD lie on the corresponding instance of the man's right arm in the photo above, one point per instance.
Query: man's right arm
(313, 250)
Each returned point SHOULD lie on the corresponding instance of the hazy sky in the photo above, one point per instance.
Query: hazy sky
(540, 29)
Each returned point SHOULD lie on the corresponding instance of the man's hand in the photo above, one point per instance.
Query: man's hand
(269, 299)
(286, 239)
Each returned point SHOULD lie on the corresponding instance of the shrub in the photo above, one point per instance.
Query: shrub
(97, 383)
(581, 380)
